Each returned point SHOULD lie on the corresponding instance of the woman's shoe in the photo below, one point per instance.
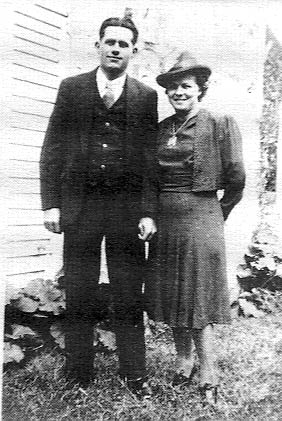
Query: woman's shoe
(180, 379)
(209, 394)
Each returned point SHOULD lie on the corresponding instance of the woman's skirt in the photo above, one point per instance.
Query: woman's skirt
(191, 284)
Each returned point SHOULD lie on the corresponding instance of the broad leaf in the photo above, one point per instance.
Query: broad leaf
(279, 270)
(12, 353)
(26, 304)
(107, 338)
(245, 294)
(243, 271)
(20, 331)
(55, 307)
(249, 309)
(265, 263)
(11, 294)
(34, 288)
(58, 334)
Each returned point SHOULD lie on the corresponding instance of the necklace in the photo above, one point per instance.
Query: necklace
(173, 138)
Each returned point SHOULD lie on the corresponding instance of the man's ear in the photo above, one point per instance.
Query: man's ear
(97, 45)
(135, 49)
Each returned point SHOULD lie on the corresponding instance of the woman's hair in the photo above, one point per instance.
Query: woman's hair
(123, 22)
(202, 82)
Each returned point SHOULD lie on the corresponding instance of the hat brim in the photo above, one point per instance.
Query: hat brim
(164, 79)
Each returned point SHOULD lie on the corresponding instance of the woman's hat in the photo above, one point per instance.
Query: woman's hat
(185, 64)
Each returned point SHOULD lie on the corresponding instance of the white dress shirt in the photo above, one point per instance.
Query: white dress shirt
(115, 85)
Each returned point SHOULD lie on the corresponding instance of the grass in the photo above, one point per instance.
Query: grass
(250, 365)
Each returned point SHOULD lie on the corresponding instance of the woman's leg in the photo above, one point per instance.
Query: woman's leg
(184, 347)
(204, 341)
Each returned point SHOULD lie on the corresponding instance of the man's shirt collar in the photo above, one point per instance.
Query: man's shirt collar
(116, 85)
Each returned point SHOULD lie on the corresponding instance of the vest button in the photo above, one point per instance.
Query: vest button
(103, 166)
(107, 124)
(104, 145)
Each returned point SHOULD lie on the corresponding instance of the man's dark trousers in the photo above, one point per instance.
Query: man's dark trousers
(113, 215)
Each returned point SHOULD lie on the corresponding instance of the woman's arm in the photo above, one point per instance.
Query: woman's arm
(232, 162)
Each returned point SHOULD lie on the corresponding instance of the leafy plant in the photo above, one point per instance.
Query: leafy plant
(262, 269)
(21, 341)
(34, 318)
(104, 340)
(40, 295)
(260, 279)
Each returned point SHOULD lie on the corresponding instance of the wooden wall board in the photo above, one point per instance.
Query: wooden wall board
(37, 48)
(18, 185)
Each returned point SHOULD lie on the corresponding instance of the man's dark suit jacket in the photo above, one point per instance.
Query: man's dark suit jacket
(64, 157)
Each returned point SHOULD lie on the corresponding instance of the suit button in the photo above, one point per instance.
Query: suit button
(104, 145)
(107, 124)
(103, 167)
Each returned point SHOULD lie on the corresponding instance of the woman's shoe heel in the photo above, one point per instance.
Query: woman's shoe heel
(180, 379)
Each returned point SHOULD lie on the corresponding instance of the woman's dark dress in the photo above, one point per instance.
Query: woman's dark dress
(191, 269)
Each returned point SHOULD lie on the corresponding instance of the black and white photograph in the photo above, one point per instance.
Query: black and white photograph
(141, 208)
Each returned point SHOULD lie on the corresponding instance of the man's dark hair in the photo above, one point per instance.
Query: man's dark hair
(123, 22)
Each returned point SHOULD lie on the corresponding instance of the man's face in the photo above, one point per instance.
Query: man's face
(115, 50)
(183, 93)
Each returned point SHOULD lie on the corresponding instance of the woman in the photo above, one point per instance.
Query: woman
(198, 154)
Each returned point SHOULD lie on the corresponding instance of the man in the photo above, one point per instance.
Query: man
(98, 179)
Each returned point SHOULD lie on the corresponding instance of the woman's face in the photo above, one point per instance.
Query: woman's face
(183, 94)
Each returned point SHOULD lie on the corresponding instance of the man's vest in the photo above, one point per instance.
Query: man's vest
(106, 148)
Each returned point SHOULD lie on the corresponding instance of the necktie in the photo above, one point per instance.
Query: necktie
(108, 97)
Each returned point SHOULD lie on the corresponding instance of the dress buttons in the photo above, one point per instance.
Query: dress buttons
(107, 124)
(103, 166)
(104, 145)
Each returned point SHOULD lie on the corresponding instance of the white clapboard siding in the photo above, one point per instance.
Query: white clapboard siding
(30, 89)
(28, 248)
(23, 152)
(33, 76)
(34, 24)
(39, 27)
(19, 185)
(16, 281)
(31, 121)
(37, 65)
(21, 265)
(23, 168)
(25, 217)
(42, 44)
(37, 37)
(43, 16)
(40, 54)
(25, 136)
(29, 105)
(28, 233)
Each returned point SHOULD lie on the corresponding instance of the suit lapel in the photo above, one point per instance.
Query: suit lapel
(132, 103)
(90, 94)
(89, 99)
